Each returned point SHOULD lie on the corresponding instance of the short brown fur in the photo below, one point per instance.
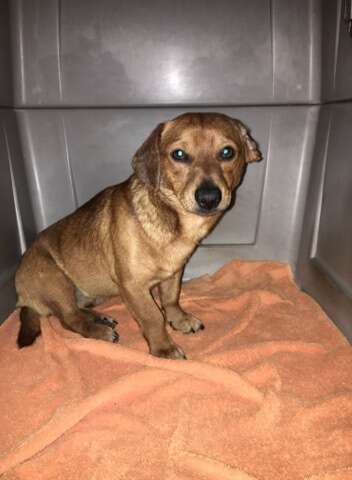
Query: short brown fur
(135, 238)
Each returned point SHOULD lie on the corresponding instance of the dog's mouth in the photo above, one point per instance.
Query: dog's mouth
(207, 213)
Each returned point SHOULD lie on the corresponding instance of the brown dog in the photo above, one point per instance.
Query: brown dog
(138, 235)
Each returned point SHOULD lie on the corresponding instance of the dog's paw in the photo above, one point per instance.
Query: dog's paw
(105, 320)
(188, 323)
(115, 337)
(103, 328)
(173, 351)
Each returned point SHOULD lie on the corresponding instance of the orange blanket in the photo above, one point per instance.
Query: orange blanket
(266, 392)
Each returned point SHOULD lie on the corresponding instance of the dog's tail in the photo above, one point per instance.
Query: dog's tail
(30, 327)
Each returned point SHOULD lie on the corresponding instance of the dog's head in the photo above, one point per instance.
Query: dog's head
(196, 160)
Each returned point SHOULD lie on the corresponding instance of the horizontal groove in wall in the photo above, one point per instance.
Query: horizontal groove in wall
(169, 107)
(160, 106)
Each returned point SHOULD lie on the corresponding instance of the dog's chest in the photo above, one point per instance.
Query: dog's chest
(175, 254)
(195, 227)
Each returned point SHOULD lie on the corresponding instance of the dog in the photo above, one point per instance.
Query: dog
(134, 239)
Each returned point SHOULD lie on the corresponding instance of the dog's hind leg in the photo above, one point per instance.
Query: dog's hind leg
(85, 302)
(30, 327)
(63, 304)
(51, 292)
(89, 324)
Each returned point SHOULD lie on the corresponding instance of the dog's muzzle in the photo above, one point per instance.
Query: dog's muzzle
(208, 196)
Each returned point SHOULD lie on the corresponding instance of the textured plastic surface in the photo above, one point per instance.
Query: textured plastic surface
(6, 85)
(9, 233)
(20, 179)
(10, 249)
(337, 57)
(89, 53)
(334, 235)
(7, 298)
(324, 266)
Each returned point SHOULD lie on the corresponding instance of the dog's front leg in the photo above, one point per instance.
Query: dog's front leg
(169, 292)
(142, 306)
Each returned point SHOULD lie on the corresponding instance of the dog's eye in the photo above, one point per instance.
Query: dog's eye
(227, 153)
(180, 155)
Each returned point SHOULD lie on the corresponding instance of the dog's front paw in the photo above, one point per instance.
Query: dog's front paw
(173, 351)
(188, 323)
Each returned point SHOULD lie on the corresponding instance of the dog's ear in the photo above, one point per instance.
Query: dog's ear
(146, 160)
(252, 152)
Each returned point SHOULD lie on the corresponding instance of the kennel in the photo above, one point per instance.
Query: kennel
(83, 82)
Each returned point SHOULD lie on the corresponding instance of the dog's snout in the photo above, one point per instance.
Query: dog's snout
(208, 196)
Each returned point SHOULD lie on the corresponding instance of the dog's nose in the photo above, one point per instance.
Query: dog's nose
(208, 196)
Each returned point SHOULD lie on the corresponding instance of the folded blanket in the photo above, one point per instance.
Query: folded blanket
(266, 392)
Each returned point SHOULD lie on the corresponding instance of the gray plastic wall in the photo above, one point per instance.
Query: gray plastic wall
(324, 266)
(123, 53)
(10, 249)
(84, 82)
